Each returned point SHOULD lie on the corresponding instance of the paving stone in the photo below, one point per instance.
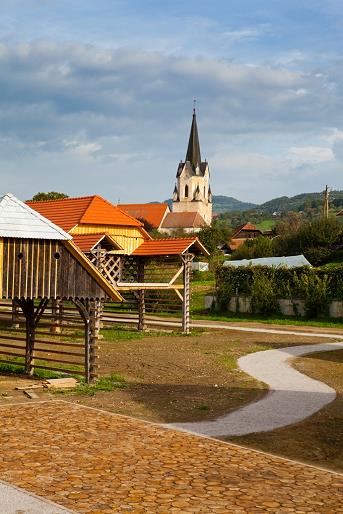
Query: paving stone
(94, 462)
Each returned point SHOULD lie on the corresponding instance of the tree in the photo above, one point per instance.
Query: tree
(214, 235)
(52, 195)
(147, 225)
(255, 248)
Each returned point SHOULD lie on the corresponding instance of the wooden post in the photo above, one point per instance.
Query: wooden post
(186, 259)
(30, 337)
(141, 297)
(32, 317)
(95, 311)
(15, 314)
(55, 317)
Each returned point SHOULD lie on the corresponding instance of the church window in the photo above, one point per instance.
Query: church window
(186, 191)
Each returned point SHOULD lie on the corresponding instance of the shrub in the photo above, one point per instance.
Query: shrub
(264, 293)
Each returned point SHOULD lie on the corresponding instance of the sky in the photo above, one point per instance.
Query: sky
(97, 97)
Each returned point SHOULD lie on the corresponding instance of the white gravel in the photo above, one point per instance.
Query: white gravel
(18, 501)
(292, 396)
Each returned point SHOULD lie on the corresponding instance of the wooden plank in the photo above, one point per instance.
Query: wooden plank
(32, 395)
(12, 338)
(60, 343)
(12, 355)
(60, 361)
(59, 352)
(61, 370)
(3, 345)
(1, 264)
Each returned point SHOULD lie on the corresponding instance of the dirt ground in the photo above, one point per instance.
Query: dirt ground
(318, 440)
(178, 378)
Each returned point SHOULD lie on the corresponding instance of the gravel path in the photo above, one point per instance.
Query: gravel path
(292, 396)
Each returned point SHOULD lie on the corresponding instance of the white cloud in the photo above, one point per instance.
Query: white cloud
(83, 149)
(122, 117)
(300, 156)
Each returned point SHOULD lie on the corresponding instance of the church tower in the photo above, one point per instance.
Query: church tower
(192, 192)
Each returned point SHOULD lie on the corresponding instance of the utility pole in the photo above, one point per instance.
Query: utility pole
(326, 202)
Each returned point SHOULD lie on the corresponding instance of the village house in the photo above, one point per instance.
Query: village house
(153, 213)
(241, 234)
(94, 222)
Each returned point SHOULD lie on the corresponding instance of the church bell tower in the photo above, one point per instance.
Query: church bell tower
(192, 192)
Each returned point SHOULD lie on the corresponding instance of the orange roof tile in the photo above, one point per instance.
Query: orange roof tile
(236, 243)
(183, 220)
(246, 226)
(69, 212)
(170, 246)
(86, 242)
(153, 213)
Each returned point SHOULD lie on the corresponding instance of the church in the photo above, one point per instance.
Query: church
(192, 197)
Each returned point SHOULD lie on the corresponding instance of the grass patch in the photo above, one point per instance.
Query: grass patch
(267, 224)
(229, 361)
(126, 334)
(107, 383)
(277, 320)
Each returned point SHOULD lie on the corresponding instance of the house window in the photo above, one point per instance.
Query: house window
(186, 191)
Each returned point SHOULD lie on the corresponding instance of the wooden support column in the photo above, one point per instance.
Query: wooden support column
(91, 312)
(30, 337)
(187, 260)
(141, 296)
(15, 314)
(55, 327)
(96, 309)
(32, 318)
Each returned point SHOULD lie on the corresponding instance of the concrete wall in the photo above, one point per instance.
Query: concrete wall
(287, 307)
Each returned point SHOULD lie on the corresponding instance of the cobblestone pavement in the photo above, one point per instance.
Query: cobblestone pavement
(94, 462)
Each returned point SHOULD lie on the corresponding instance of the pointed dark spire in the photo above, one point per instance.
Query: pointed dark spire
(193, 151)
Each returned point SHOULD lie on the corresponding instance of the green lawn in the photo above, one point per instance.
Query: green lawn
(267, 224)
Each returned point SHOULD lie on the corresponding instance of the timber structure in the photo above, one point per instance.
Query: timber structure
(151, 275)
(40, 267)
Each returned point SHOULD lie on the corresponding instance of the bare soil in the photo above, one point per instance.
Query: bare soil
(183, 378)
(318, 440)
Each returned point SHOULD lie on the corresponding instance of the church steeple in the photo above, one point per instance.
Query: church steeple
(193, 151)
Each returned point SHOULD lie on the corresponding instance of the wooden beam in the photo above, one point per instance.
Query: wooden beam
(1, 263)
(135, 286)
(187, 260)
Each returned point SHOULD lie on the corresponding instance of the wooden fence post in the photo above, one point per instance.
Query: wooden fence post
(95, 314)
(187, 260)
(141, 296)
(55, 327)
(15, 314)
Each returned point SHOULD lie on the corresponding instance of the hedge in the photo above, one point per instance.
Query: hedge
(265, 285)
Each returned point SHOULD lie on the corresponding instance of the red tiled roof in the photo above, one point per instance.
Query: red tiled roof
(246, 226)
(86, 242)
(183, 220)
(153, 213)
(69, 212)
(171, 246)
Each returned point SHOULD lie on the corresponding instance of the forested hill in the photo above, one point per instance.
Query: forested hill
(281, 204)
(300, 202)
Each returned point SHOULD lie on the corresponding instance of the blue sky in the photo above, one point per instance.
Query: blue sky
(96, 97)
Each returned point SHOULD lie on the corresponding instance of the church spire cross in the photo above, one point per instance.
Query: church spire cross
(193, 151)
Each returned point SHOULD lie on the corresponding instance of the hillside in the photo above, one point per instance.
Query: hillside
(301, 202)
(282, 204)
(228, 203)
